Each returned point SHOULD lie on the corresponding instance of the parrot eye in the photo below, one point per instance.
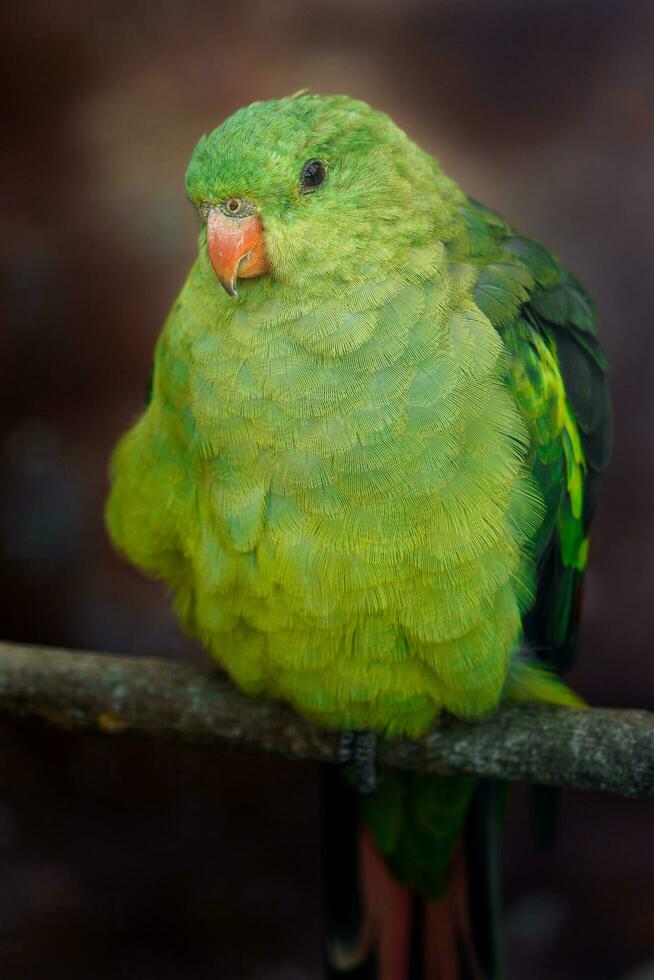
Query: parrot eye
(313, 175)
(235, 207)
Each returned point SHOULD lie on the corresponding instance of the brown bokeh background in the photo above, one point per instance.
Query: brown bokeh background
(138, 861)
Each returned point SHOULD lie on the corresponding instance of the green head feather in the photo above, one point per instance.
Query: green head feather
(382, 194)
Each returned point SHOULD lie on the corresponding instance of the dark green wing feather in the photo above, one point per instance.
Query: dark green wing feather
(558, 375)
(557, 372)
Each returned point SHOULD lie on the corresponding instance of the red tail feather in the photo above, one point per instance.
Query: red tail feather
(388, 908)
(446, 933)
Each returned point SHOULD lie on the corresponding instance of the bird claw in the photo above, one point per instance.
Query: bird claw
(361, 749)
(345, 751)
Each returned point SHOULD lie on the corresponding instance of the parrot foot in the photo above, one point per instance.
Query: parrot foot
(361, 749)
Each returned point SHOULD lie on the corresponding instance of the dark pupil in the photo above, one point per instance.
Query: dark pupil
(314, 173)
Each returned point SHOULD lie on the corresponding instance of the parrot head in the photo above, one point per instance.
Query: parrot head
(309, 187)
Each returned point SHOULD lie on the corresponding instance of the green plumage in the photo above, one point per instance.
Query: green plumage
(354, 477)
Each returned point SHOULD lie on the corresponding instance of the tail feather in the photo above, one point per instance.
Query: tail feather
(448, 951)
(389, 914)
(379, 929)
(348, 950)
(483, 849)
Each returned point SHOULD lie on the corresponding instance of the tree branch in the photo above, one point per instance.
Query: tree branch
(165, 700)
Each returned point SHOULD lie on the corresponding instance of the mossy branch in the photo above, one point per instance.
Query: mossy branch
(599, 748)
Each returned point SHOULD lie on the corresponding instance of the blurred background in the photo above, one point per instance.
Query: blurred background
(128, 860)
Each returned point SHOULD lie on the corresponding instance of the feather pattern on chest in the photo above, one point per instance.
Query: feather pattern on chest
(336, 490)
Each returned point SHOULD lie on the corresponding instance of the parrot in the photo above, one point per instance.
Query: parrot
(370, 456)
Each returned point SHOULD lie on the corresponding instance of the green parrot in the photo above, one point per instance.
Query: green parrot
(367, 469)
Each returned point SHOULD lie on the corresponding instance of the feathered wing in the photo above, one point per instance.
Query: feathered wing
(558, 375)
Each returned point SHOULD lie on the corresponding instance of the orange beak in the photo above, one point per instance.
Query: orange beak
(236, 248)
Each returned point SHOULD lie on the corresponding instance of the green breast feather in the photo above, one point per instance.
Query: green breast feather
(345, 496)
